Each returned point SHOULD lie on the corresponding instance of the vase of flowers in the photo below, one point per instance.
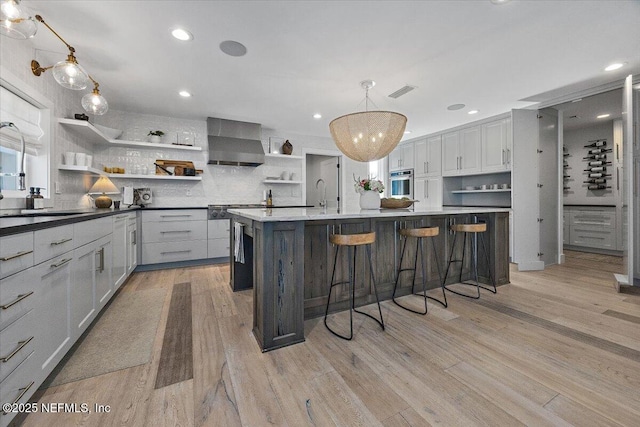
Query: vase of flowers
(369, 190)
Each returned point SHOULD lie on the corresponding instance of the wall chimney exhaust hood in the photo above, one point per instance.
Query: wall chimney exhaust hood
(234, 143)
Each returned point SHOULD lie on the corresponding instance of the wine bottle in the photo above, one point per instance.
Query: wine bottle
(599, 163)
(597, 169)
(595, 157)
(597, 143)
(598, 175)
(598, 187)
(596, 181)
(600, 150)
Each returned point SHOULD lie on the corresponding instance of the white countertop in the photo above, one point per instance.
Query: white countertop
(318, 214)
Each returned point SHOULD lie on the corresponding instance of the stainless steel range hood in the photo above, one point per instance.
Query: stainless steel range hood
(234, 143)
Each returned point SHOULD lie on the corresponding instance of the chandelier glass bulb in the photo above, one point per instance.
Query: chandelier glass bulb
(95, 103)
(70, 74)
(15, 21)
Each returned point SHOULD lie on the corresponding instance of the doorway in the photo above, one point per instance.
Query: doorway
(323, 180)
(592, 175)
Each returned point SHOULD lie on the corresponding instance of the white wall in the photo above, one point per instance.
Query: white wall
(574, 141)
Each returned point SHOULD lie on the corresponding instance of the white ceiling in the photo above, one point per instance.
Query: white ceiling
(308, 57)
(584, 112)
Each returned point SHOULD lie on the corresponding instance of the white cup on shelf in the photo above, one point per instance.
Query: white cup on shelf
(81, 159)
(292, 177)
(69, 158)
(284, 175)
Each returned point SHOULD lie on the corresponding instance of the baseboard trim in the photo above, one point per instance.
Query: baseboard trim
(530, 266)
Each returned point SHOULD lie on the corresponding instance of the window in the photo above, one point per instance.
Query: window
(376, 170)
(31, 114)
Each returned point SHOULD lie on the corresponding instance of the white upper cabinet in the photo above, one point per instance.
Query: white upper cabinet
(461, 152)
(428, 192)
(402, 157)
(496, 146)
(428, 156)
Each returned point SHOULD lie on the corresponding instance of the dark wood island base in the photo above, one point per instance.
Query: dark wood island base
(292, 260)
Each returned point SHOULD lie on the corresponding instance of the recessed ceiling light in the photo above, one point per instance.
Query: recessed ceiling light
(407, 132)
(614, 66)
(182, 34)
(184, 94)
(454, 107)
(577, 100)
(472, 112)
(500, 1)
(317, 116)
(233, 48)
(603, 116)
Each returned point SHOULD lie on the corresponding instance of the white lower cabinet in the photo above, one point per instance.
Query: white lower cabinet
(53, 312)
(132, 243)
(174, 235)
(591, 227)
(47, 306)
(218, 238)
(119, 250)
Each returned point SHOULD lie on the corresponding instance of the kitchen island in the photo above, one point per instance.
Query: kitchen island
(289, 260)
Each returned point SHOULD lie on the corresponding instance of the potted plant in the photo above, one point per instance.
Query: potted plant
(155, 136)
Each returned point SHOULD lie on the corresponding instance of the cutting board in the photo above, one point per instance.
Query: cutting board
(177, 165)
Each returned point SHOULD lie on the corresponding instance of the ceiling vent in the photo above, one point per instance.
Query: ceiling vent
(402, 91)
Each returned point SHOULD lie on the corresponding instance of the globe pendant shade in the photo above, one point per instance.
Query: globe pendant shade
(369, 135)
(94, 103)
(71, 75)
(15, 21)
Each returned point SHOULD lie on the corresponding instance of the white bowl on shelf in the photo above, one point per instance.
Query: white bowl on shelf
(110, 133)
(470, 188)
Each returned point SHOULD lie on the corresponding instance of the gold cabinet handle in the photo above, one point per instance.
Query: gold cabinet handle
(60, 242)
(18, 255)
(17, 300)
(63, 262)
(21, 345)
(23, 390)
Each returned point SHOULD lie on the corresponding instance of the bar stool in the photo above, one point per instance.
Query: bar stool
(352, 241)
(419, 234)
(470, 229)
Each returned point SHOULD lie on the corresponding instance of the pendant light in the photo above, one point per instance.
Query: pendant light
(93, 102)
(15, 21)
(67, 73)
(368, 135)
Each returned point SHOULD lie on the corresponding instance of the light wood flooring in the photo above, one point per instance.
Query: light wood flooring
(557, 347)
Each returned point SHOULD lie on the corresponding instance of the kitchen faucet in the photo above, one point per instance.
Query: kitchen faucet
(323, 202)
(21, 176)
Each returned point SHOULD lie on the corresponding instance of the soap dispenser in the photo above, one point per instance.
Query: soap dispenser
(31, 198)
(38, 200)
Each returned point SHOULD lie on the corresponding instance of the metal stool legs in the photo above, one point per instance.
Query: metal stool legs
(419, 248)
(474, 265)
(352, 250)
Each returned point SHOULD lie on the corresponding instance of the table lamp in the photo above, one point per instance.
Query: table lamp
(103, 186)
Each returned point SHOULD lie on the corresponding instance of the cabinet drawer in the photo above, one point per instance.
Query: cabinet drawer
(16, 253)
(51, 242)
(17, 296)
(175, 215)
(18, 387)
(218, 248)
(603, 238)
(218, 228)
(17, 341)
(599, 219)
(173, 231)
(154, 253)
(88, 231)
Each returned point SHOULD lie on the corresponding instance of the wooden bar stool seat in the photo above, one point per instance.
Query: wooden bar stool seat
(473, 230)
(352, 241)
(419, 234)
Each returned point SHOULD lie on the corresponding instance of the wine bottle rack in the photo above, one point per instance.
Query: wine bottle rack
(596, 164)
(565, 166)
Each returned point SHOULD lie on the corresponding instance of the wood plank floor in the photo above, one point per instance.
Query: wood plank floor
(557, 347)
